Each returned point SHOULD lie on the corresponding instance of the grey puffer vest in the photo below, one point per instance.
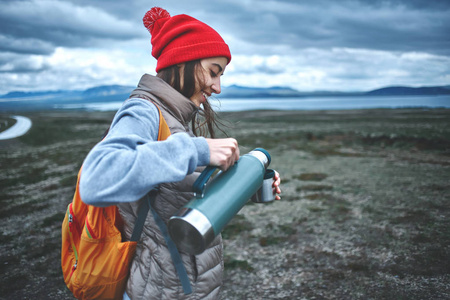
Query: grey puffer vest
(153, 274)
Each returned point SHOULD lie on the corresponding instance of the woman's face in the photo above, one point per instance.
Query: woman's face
(207, 79)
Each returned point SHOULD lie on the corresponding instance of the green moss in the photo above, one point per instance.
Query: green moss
(22, 209)
(61, 128)
(312, 176)
(13, 282)
(27, 175)
(319, 196)
(231, 263)
(271, 240)
(236, 226)
(287, 229)
(5, 238)
(315, 208)
(70, 180)
(314, 187)
(51, 220)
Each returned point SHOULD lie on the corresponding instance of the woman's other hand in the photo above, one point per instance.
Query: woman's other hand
(276, 185)
(223, 153)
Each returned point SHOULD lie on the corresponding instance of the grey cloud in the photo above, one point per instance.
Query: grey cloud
(25, 45)
(396, 25)
(260, 69)
(416, 4)
(391, 26)
(306, 31)
(55, 23)
(269, 70)
(14, 63)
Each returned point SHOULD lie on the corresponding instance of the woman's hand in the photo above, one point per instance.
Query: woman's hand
(276, 185)
(223, 153)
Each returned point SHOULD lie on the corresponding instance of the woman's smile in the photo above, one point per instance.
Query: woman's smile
(208, 79)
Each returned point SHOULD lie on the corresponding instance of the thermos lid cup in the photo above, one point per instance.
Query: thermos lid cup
(265, 193)
(269, 174)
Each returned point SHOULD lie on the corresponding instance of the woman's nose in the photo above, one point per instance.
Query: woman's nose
(216, 86)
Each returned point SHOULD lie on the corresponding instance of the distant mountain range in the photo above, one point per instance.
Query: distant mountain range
(20, 100)
(402, 90)
(236, 91)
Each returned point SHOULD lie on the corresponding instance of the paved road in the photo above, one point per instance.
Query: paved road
(21, 127)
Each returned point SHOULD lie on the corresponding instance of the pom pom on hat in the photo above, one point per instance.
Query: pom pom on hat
(181, 38)
(152, 15)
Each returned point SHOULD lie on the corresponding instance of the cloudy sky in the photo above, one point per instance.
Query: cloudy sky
(346, 45)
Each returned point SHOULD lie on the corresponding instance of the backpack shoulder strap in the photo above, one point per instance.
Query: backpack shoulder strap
(175, 255)
(164, 130)
(142, 215)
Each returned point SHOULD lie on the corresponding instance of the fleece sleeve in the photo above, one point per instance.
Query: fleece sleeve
(130, 161)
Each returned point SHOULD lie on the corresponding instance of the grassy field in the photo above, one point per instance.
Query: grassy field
(364, 212)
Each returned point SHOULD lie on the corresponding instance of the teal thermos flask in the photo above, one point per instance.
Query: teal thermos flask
(197, 223)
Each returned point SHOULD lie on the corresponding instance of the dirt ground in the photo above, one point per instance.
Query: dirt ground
(364, 212)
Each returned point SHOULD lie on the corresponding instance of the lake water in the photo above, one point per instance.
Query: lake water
(307, 103)
(21, 127)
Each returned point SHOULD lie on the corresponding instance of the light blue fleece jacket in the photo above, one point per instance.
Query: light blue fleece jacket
(130, 161)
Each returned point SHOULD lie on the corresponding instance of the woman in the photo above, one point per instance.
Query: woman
(130, 161)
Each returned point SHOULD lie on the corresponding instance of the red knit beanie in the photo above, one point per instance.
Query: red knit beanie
(181, 38)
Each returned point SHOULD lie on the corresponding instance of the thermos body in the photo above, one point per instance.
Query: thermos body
(232, 188)
(203, 218)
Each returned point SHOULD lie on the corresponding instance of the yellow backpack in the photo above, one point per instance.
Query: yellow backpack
(94, 259)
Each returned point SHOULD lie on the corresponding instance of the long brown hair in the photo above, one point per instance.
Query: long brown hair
(206, 117)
